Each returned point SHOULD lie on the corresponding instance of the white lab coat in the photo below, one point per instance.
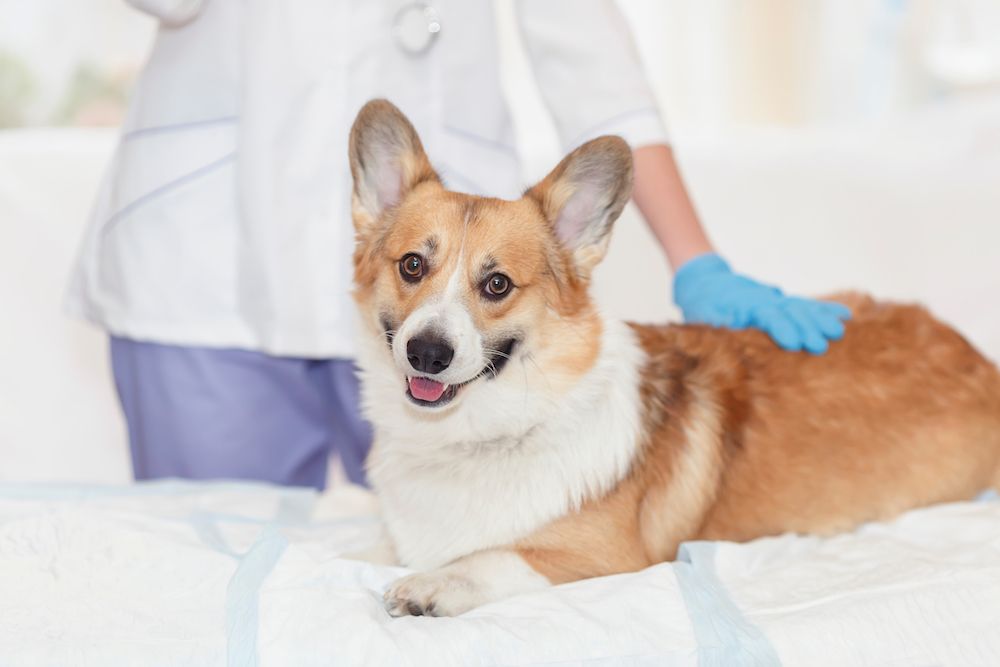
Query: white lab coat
(224, 218)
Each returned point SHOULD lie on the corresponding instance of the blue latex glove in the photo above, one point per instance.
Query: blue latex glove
(708, 291)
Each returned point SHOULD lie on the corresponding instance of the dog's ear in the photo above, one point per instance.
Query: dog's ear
(387, 161)
(583, 196)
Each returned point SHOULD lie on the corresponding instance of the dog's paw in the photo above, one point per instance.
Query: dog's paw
(434, 593)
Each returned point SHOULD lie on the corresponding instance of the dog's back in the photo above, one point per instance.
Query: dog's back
(902, 412)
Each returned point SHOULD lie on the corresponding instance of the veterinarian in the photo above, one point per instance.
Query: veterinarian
(219, 254)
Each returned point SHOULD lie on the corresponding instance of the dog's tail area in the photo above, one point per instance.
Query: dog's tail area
(995, 433)
(996, 470)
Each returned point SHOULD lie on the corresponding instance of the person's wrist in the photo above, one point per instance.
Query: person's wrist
(693, 270)
(692, 274)
(706, 262)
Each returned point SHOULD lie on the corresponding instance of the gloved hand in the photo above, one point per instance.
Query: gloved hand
(708, 291)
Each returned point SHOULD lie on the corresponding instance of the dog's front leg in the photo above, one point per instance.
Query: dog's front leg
(463, 584)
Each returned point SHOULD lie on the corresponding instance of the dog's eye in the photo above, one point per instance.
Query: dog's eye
(411, 267)
(497, 286)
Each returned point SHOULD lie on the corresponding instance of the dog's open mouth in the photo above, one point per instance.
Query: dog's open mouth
(431, 393)
(425, 391)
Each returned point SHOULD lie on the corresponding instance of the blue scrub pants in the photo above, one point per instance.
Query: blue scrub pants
(207, 413)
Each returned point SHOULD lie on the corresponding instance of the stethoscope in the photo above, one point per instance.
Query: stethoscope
(416, 27)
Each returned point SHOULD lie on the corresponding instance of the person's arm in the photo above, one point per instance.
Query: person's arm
(590, 76)
(705, 288)
(588, 71)
(661, 197)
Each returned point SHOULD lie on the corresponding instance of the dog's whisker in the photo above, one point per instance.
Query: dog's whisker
(389, 334)
(496, 353)
(531, 358)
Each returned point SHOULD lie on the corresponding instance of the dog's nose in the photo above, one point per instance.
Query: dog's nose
(429, 355)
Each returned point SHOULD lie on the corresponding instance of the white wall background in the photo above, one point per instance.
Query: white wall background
(828, 144)
(58, 416)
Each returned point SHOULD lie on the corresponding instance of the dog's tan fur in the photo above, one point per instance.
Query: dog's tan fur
(741, 439)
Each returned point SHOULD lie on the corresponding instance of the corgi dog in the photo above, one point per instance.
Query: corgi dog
(524, 440)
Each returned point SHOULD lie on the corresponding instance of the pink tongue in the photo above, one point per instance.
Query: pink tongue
(426, 390)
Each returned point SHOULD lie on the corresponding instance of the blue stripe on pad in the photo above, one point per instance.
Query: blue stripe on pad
(242, 595)
(725, 637)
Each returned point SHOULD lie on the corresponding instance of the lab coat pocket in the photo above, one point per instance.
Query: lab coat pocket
(153, 161)
(168, 238)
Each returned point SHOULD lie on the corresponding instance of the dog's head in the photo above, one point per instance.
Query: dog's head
(470, 296)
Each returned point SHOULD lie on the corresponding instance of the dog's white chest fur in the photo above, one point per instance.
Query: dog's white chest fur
(510, 459)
